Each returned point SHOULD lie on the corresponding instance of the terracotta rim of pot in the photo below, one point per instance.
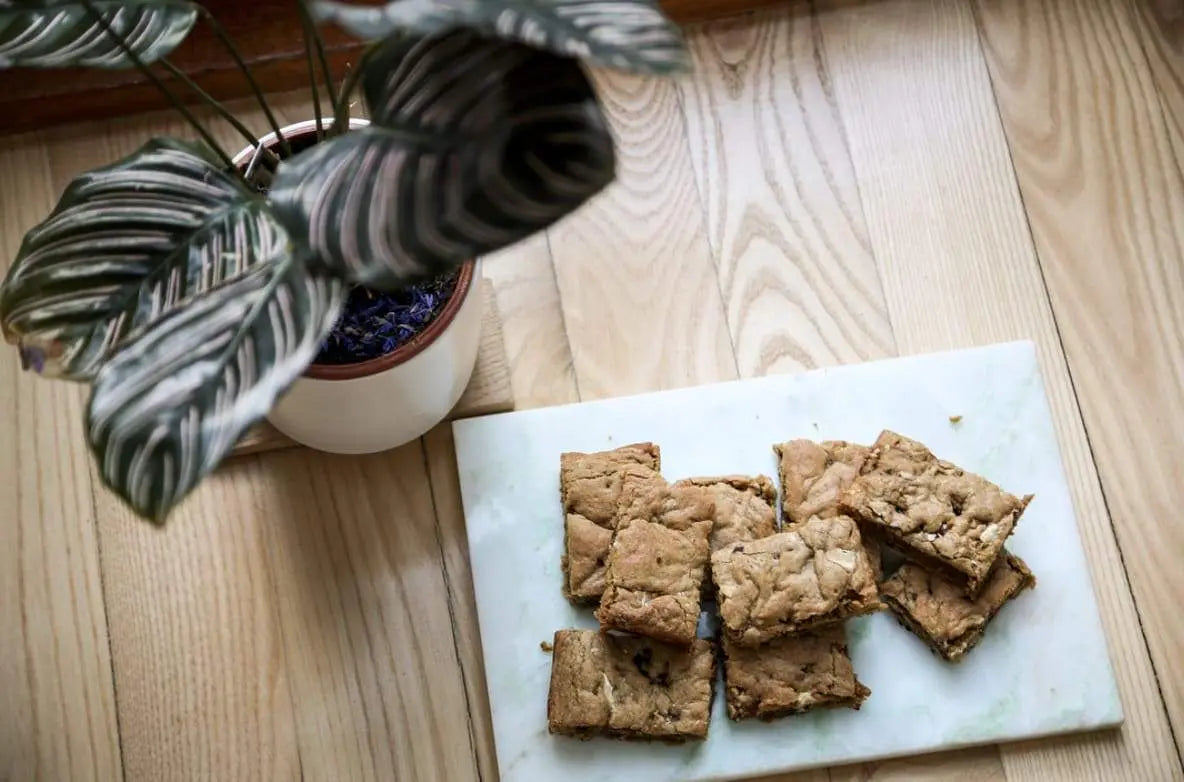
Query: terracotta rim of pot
(412, 347)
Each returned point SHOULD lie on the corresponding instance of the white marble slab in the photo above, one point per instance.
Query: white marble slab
(1041, 669)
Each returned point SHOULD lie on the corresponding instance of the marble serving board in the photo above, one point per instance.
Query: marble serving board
(1041, 669)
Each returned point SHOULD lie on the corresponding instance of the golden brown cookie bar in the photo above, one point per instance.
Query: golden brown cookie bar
(657, 562)
(791, 675)
(743, 507)
(813, 475)
(941, 615)
(935, 513)
(590, 488)
(628, 687)
(814, 574)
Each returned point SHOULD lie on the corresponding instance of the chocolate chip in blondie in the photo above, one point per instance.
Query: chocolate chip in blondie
(629, 687)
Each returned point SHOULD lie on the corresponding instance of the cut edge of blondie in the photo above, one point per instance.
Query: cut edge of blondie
(738, 712)
(954, 650)
(971, 580)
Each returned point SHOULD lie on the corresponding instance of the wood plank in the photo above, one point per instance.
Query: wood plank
(789, 236)
(1159, 25)
(488, 391)
(783, 214)
(291, 620)
(635, 273)
(59, 719)
(979, 764)
(462, 602)
(267, 33)
(361, 593)
(1105, 195)
(230, 664)
(539, 356)
(959, 268)
(195, 638)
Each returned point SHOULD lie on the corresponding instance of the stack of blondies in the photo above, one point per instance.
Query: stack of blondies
(651, 555)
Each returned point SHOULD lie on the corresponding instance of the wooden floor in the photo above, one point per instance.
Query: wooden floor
(832, 184)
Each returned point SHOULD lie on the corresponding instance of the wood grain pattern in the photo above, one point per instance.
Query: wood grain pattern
(454, 545)
(306, 633)
(1108, 223)
(789, 235)
(949, 232)
(1159, 25)
(488, 391)
(783, 215)
(59, 719)
(524, 280)
(359, 586)
(979, 764)
(196, 644)
(831, 184)
(640, 297)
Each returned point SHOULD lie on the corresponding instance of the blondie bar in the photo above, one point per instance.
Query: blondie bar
(813, 475)
(657, 561)
(590, 489)
(933, 512)
(743, 507)
(791, 675)
(629, 687)
(814, 574)
(941, 615)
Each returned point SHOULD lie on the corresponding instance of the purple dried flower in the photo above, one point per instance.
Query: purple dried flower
(374, 324)
(32, 358)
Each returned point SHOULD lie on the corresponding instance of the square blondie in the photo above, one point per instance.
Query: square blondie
(814, 574)
(813, 475)
(628, 687)
(941, 615)
(744, 507)
(657, 560)
(935, 513)
(791, 675)
(590, 489)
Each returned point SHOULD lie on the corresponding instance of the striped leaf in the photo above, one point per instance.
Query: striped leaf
(125, 244)
(474, 144)
(627, 34)
(63, 33)
(171, 403)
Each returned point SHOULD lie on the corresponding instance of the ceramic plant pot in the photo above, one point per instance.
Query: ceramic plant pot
(390, 400)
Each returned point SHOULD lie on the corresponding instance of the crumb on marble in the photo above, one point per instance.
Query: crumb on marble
(955, 419)
(546, 646)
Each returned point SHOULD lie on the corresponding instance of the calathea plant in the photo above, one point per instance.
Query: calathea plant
(190, 293)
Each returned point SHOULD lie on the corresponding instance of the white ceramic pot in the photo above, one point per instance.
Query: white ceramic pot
(390, 400)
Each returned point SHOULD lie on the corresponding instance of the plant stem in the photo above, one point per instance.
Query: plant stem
(341, 107)
(220, 32)
(311, 31)
(213, 102)
(312, 73)
(152, 77)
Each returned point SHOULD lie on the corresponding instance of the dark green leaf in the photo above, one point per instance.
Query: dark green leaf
(627, 34)
(126, 243)
(62, 33)
(475, 144)
(172, 402)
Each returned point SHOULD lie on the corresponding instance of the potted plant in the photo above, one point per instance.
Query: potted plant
(191, 288)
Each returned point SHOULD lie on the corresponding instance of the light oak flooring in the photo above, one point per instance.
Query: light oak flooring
(834, 182)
